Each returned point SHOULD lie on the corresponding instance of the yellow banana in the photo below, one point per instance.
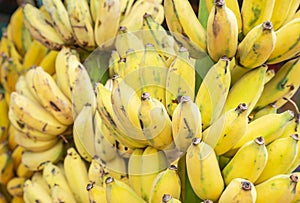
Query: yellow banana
(287, 43)
(51, 97)
(134, 170)
(15, 186)
(297, 195)
(23, 171)
(168, 182)
(270, 127)
(222, 31)
(181, 20)
(6, 168)
(203, 170)
(239, 190)
(97, 194)
(107, 22)
(35, 161)
(22, 87)
(33, 192)
(249, 95)
(283, 151)
(17, 155)
(213, 91)
(48, 62)
(17, 200)
(225, 132)
(31, 144)
(278, 20)
(248, 163)
(280, 188)
(281, 84)
(4, 123)
(255, 12)
(94, 8)
(40, 28)
(58, 195)
(257, 46)
(83, 133)
(81, 23)
(293, 9)
(35, 54)
(186, 123)
(33, 115)
(180, 80)
(76, 175)
(60, 18)
(54, 177)
(117, 191)
(37, 177)
(155, 122)
(269, 109)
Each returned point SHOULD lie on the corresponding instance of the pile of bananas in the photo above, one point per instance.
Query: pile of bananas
(192, 113)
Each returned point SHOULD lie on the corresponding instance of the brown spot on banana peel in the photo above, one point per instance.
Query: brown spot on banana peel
(54, 106)
(89, 186)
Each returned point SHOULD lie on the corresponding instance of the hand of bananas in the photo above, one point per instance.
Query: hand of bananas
(148, 132)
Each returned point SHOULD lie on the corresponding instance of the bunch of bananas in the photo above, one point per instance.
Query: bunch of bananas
(152, 131)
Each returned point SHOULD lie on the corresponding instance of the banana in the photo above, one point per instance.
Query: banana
(22, 87)
(35, 54)
(269, 109)
(23, 171)
(40, 28)
(117, 191)
(48, 62)
(97, 194)
(203, 170)
(134, 170)
(254, 13)
(293, 9)
(180, 80)
(94, 8)
(155, 122)
(96, 171)
(17, 156)
(280, 188)
(283, 151)
(278, 20)
(4, 123)
(252, 166)
(225, 132)
(80, 85)
(186, 123)
(105, 142)
(81, 23)
(257, 46)
(182, 21)
(33, 145)
(287, 43)
(213, 91)
(249, 95)
(56, 179)
(37, 177)
(33, 192)
(152, 74)
(166, 198)
(113, 64)
(35, 161)
(281, 84)
(297, 197)
(15, 186)
(270, 127)
(17, 200)
(124, 103)
(107, 22)
(51, 97)
(60, 18)
(33, 115)
(58, 195)
(168, 182)
(239, 190)
(76, 175)
(222, 31)
(104, 106)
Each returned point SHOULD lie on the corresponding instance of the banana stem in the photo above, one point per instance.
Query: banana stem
(187, 192)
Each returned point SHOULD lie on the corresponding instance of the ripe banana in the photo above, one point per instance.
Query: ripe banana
(15, 186)
(186, 123)
(76, 175)
(278, 20)
(257, 46)
(239, 190)
(283, 151)
(48, 62)
(37, 177)
(248, 163)
(33, 192)
(4, 123)
(255, 12)
(97, 193)
(180, 80)
(6, 168)
(269, 109)
(168, 182)
(280, 188)
(58, 195)
(60, 18)
(107, 22)
(222, 31)
(287, 43)
(35, 54)
(293, 10)
(227, 129)
(203, 170)
(40, 28)
(213, 91)
(35, 161)
(155, 122)
(134, 170)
